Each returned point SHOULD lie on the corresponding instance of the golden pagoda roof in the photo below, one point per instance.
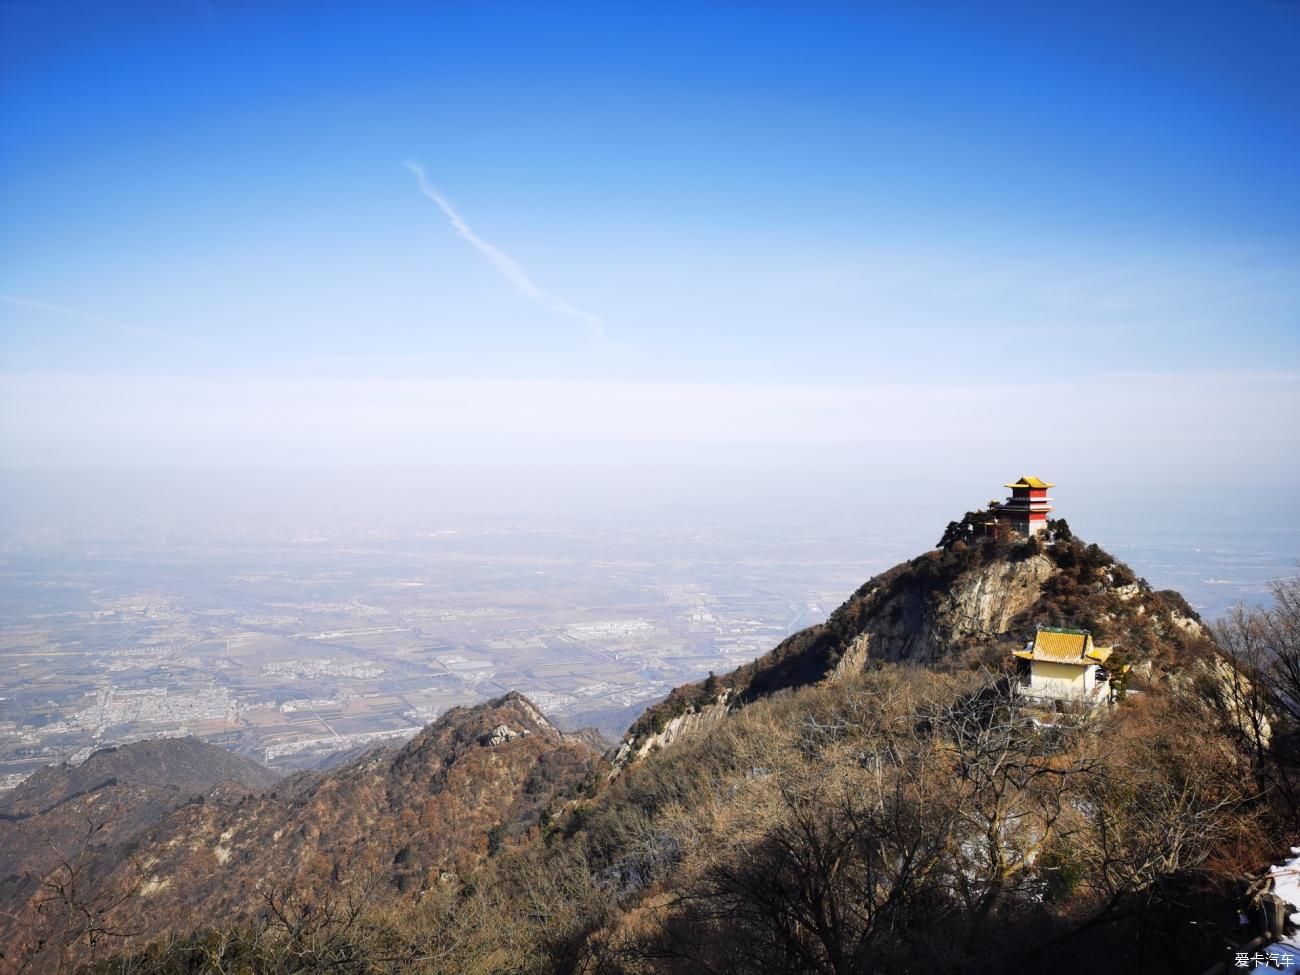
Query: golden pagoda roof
(1060, 646)
(1030, 482)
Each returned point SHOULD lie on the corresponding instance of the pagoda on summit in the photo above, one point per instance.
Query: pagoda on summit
(1025, 512)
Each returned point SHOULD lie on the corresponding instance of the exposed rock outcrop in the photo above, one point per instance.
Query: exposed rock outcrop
(910, 619)
(690, 722)
(1231, 694)
(499, 736)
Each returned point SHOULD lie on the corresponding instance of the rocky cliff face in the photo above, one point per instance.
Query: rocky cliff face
(908, 618)
(692, 721)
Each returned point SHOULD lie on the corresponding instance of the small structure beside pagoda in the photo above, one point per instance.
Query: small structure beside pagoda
(1064, 665)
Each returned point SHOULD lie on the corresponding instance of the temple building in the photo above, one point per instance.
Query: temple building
(1025, 512)
(1064, 665)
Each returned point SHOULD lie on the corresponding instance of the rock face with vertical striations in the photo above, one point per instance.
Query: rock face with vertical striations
(908, 618)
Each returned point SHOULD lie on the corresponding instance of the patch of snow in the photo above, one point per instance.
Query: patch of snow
(1286, 882)
(1284, 956)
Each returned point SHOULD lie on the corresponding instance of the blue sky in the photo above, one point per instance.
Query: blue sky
(783, 225)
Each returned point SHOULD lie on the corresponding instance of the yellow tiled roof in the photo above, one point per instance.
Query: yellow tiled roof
(1065, 647)
(1100, 654)
(1030, 482)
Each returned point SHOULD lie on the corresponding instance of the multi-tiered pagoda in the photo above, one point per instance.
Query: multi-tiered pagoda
(1025, 512)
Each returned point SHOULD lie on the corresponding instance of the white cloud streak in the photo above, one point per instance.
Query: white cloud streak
(504, 264)
(112, 323)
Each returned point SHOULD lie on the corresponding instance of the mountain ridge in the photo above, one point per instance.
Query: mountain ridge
(184, 765)
(497, 783)
(477, 780)
(964, 605)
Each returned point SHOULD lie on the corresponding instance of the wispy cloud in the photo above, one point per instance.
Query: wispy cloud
(504, 264)
(113, 323)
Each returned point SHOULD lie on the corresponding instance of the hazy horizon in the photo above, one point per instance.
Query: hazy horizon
(264, 268)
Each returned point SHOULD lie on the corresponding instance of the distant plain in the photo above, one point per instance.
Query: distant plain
(290, 647)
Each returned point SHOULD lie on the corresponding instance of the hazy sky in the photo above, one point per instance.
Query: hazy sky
(523, 243)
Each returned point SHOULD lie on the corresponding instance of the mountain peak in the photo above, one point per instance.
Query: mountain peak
(182, 767)
(528, 711)
(478, 780)
(496, 721)
(971, 602)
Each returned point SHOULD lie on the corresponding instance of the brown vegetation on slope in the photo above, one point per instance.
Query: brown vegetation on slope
(897, 818)
(180, 767)
(394, 824)
(904, 819)
(63, 818)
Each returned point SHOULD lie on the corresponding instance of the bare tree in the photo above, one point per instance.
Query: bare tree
(80, 913)
(1281, 636)
(909, 805)
(1011, 780)
(1262, 647)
